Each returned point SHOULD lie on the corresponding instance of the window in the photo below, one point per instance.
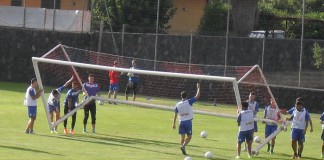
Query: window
(50, 4)
(16, 2)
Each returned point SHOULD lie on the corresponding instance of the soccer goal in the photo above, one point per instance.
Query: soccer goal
(220, 86)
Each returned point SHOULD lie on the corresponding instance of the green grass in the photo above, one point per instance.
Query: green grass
(129, 132)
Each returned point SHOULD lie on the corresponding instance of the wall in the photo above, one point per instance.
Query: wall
(5, 2)
(17, 46)
(65, 4)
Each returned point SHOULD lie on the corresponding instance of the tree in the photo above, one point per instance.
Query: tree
(214, 19)
(244, 13)
(136, 15)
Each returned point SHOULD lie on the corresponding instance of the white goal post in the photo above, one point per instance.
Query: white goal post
(232, 80)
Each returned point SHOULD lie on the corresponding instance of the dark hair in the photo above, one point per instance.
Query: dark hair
(54, 91)
(183, 94)
(91, 75)
(75, 82)
(245, 105)
(299, 99)
(299, 103)
(33, 80)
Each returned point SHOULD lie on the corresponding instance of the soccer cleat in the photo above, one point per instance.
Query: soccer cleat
(294, 156)
(31, 132)
(52, 131)
(27, 131)
(65, 131)
(93, 131)
(238, 157)
(55, 131)
(84, 131)
(183, 150)
(72, 131)
(271, 152)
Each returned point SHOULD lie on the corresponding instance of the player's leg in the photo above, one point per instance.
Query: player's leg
(322, 137)
(116, 88)
(32, 114)
(249, 140)
(294, 136)
(93, 113)
(300, 140)
(57, 116)
(267, 133)
(240, 140)
(110, 92)
(127, 90)
(273, 141)
(65, 131)
(182, 132)
(86, 116)
(135, 85)
(188, 131)
(73, 122)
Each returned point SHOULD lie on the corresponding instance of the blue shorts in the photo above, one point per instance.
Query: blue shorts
(269, 129)
(255, 126)
(114, 87)
(185, 127)
(32, 111)
(53, 108)
(297, 135)
(245, 135)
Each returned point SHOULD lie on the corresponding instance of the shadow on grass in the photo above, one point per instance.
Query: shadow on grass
(29, 150)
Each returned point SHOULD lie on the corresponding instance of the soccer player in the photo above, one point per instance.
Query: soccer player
(300, 118)
(185, 112)
(254, 107)
(113, 79)
(245, 122)
(292, 109)
(30, 101)
(53, 103)
(271, 112)
(133, 81)
(322, 136)
(72, 98)
(91, 89)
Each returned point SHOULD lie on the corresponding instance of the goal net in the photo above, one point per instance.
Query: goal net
(220, 86)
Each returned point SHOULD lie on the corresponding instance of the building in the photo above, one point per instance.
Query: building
(188, 16)
(59, 4)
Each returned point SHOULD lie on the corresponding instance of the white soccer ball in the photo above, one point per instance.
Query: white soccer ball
(209, 155)
(187, 158)
(203, 134)
(101, 102)
(257, 139)
(130, 74)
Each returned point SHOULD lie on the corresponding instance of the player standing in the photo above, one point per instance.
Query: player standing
(72, 98)
(254, 107)
(299, 125)
(322, 136)
(53, 103)
(185, 112)
(30, 101)
(133, 81)
(113, 79)
(91, 89)
(271, 112)
(246, 129)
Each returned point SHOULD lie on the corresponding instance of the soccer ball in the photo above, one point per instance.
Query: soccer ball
(101, 103)
(130, 74)
(187, 158)
(209, 155)
(203, 134)
(257, 139)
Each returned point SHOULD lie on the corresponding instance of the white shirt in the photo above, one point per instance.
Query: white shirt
(29, 101)
(253, 107)
(185, 110)
(271, 113)
(299, 121)
(246, 120)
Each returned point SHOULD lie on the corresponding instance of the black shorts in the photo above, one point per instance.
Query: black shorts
(322, 136)
(131, 86)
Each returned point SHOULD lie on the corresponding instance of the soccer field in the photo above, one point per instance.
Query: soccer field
(131, 132)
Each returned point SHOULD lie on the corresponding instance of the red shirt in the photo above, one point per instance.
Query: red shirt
(114, 77)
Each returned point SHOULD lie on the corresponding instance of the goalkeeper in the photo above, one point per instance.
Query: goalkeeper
(185, 112)
(133, 81)
(91, 89)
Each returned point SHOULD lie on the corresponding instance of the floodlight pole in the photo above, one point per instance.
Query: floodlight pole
(227, 33)
(156, 33)
(301, 44)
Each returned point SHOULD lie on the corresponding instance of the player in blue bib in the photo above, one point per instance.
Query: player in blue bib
(300, 119)
(72, 98)
(184, 110)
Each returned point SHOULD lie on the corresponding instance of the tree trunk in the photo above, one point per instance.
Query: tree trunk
(243, 15)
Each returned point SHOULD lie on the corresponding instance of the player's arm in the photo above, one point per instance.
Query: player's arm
(307, 119)
(68, 82)
(239, 120)
(198, 91)
(174, 120)
(311, 125)
(37, 95)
